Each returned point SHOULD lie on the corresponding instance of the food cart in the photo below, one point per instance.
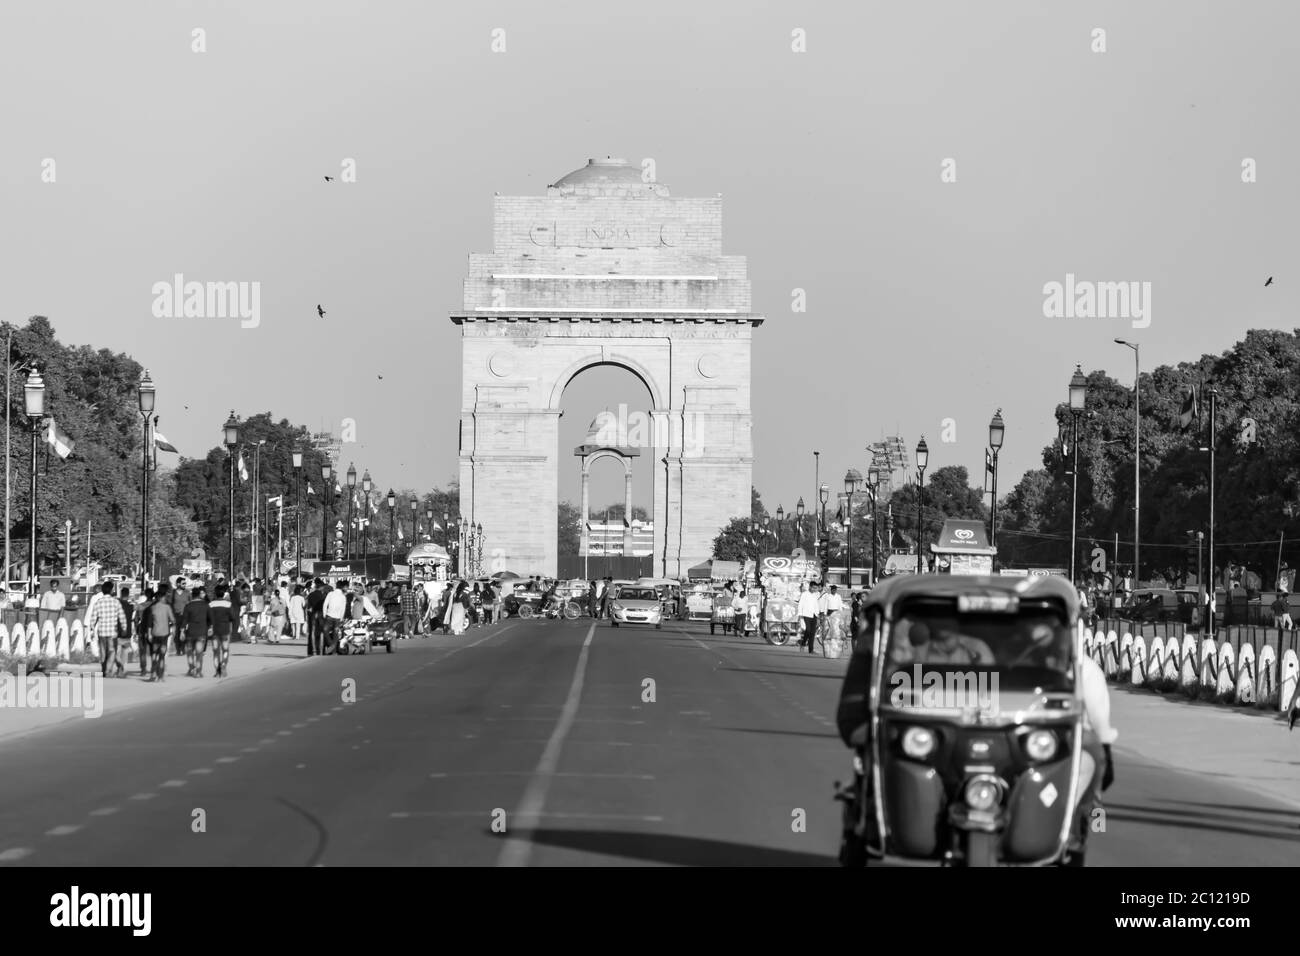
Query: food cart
(963, 548)
(428, 562)
(781, 579)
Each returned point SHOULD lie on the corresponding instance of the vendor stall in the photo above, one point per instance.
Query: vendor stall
(428, 562)
(963, 548)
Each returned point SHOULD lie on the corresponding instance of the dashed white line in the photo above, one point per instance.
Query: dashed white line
(226, 759)
(63, 830)
(143, 796)
(201, 770)
(173, 783)
(103, 812)
(14, 853)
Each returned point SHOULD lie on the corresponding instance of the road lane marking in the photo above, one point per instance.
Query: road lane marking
(248, 750)
(143, 796)
(63, 830)
(201, 770)
(525, 773)
(544, 815)
(518, 849)
(226, 759)
(14, 853)
(103, 812)
(173, 783)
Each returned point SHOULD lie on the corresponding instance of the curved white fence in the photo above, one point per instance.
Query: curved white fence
(1201, 668)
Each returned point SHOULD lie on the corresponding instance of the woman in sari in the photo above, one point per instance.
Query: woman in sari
(457, 608)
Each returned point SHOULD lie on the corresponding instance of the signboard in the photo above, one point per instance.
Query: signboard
(970, 564)
(196, 566)
(790, 566)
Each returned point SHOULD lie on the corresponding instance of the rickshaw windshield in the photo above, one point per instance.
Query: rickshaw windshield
(1030, 649)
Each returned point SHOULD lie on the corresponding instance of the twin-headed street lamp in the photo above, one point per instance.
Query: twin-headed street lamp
(325, 472)
(824, 539)
(352, 495)
(231, 436)
(852, 485)
(366, 485)
(922, 459)
(873, 486)
(392, 543)
(297, 500)
(1078, 399)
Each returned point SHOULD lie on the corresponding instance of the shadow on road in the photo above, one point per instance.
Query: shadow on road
(1217, 822)
(675, 850)
(826, 735)
(1294, 814)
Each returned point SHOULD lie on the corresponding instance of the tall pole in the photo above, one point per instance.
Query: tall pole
(351, 498)
(848, 580)
(1137, 466)
(297, 531)
(230, 566)
(1214, 394)
(1074, 507)
(994, 542)
(9, 355)
(920, 503)
(34, 570)
(875, 538)
(144, 507)
(365, 534)
(279, 546)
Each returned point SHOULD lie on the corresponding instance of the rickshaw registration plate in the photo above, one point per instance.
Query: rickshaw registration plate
(988, 603)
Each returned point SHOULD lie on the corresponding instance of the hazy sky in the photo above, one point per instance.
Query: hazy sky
(925, 298)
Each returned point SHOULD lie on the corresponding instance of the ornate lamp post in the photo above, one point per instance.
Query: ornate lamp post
(824, 492)
(996, 431)
(852, 482)
(352, 495)
(428, 523)
(873, 485)
(415, 520)
(478, 562)
(922, 459)
(145, 393)
(798, 534)
(34, 396)
(392, 529)
(780, 521)
(231, 429)
(1078, 399)
(297, 500)
(366, 485)
(1137, 458)
(325, 472)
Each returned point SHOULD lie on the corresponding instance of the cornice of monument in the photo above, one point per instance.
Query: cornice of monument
(538, 317)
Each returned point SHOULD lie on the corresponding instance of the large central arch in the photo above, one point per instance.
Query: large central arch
(605, 270)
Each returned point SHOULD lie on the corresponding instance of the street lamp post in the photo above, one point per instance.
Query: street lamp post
(780, 520)
(1078, 399)
(366, 485)
(352, 495)
(392, 524)
(446, 525)
(325, 472)
(297, 500)
(231, 429)
(428, 523)
(415, 520)
(478, 561)
(997, 429)
(146, 394)
(34, 395)
(824, 493)
(799, 510)
(922, 459)
(873, 485)
(1137, 458)
(852, 482)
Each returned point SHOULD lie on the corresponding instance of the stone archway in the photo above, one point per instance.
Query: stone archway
(605, 270)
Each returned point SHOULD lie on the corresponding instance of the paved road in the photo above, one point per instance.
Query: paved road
(544, 725)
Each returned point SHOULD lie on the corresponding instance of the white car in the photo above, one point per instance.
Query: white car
(633, 604)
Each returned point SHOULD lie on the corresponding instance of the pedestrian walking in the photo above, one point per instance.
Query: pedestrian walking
(458, 609)
(316, 618)
(1282, 613)
(278, 614)
(298, 613)
(476, 606)
(143, 634)
(335, 610)
(221, 614)
(197, 623)
(410, 610)
(489, 603)
(104, 619)
(593, 599)
(161, 624)
(126, 635)
(808, 610)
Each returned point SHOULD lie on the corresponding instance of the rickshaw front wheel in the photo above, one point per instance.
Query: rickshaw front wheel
(981, 849)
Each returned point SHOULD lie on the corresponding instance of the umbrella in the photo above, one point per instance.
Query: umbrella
(505, 576)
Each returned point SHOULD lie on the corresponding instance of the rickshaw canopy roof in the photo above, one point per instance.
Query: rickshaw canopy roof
(892, 591)
(428, 552)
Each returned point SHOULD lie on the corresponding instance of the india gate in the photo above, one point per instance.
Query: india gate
(605, 269)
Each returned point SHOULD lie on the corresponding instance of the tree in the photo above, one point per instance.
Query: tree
(615, 513)
(568, 528)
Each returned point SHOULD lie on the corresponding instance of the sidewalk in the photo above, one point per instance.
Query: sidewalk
(115, 694)
(1245, 746)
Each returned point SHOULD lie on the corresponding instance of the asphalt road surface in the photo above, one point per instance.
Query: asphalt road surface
(548, 728)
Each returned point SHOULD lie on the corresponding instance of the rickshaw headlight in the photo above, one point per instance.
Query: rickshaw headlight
(983, 793)
(918, 742)
(857, 764)
(1041, 745)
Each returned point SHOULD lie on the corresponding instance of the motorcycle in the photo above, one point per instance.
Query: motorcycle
(973, 751)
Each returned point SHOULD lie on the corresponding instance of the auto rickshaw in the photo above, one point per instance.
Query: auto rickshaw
(964, 708)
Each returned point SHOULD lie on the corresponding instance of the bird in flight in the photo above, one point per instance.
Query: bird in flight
(381, 378)
(1269, 282)
(329, 179)
(320, 311)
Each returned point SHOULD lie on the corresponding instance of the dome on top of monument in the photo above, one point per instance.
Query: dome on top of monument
(607, 170)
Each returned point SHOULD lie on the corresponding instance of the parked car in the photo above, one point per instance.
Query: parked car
(1161, 605)
(636, 604)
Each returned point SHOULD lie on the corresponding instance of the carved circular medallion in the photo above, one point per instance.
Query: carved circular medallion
(709, 365)
(501, 364)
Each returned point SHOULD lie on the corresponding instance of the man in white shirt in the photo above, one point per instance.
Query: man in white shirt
(335, 610)
(809, 608)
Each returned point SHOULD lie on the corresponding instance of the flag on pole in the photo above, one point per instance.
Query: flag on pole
(337, 489)
(1191, 411)
(243, 468)
(278, 501)
(374, 508)
(988, 462)
(310, 490)
(58, 440)
(162, 444)
(438, 527)
(399, 532)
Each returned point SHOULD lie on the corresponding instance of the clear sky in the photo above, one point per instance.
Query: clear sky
(924, 298)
